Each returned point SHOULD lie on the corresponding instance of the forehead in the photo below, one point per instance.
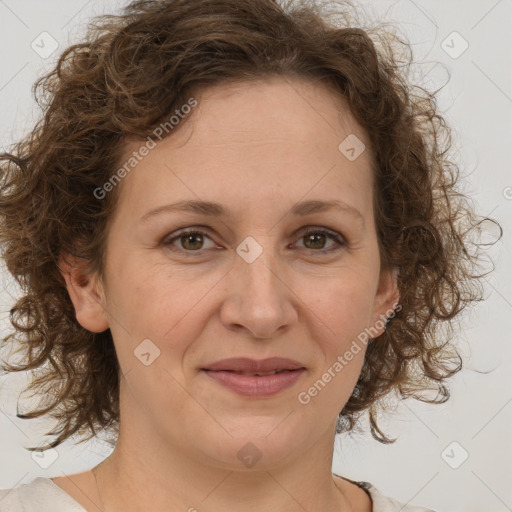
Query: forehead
(274, 108)
(288, 135)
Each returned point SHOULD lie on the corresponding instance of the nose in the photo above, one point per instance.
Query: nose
(258, 299)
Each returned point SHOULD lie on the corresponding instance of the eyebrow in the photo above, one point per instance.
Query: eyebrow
(217, 210)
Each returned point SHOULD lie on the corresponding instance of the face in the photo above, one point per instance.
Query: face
(265, 273)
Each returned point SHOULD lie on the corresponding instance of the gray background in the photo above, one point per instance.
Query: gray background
(423, 465)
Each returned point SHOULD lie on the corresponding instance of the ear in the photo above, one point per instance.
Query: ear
(85, 291)
(386, 299)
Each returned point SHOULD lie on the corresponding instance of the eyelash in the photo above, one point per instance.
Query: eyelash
(311, 231)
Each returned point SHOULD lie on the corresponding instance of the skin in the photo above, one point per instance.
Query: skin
(257, 148)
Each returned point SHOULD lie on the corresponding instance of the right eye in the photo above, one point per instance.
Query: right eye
(190, 241)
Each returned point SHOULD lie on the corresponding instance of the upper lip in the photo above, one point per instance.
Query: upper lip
(245, 364)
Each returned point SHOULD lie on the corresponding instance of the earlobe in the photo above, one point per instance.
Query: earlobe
(394, 293)
(387, 298)
(85, 292)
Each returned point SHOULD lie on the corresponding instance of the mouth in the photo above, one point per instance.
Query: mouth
(245, 365)
(256, 384)
(252, 374)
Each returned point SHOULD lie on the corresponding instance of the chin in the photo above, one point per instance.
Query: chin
(257, 444)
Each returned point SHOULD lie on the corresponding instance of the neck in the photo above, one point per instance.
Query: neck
(157, 476)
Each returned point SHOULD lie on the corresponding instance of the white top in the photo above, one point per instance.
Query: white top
(43, 495)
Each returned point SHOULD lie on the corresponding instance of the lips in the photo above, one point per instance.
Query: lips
(256, 379)
(247, 366)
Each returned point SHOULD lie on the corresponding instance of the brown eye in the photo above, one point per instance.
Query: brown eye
(192, 241)
(189, 241)
(315, 240)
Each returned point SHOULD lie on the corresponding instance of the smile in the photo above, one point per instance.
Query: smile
(256, 384)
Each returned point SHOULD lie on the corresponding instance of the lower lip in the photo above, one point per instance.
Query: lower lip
(254, 385)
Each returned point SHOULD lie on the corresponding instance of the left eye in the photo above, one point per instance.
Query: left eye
(319, 236)
(193, 240)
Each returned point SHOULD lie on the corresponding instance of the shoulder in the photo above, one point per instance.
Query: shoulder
(39, 495)
(383, 503)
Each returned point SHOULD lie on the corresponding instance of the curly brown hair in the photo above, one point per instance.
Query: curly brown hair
(127, 75)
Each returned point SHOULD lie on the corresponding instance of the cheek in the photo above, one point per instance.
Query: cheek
(169, 309)
(153, 297)
(157, 320)
(340, 316)
(342, 304)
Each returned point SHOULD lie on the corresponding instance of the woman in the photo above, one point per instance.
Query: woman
(237, 233)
